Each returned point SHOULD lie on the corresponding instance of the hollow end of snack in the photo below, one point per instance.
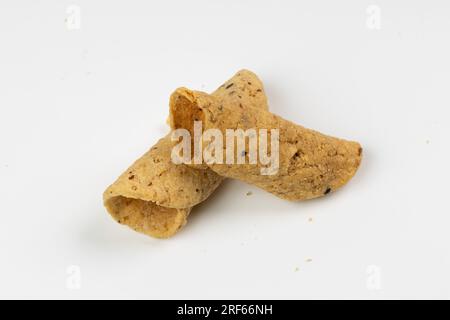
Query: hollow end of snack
(184, 110)
(146, 216)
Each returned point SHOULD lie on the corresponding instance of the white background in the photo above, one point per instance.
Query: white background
(80, 105)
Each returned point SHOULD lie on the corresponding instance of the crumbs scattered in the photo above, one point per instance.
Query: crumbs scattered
(249, 193)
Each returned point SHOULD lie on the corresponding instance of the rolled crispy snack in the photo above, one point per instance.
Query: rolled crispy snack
(154, 196)
(310, 164)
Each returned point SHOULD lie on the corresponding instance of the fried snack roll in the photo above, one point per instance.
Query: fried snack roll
(154, 196)
(311, 164)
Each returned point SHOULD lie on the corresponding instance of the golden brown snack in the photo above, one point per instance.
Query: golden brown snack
(154, 196)
(311, 164)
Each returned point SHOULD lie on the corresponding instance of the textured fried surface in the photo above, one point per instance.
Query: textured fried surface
(311, 164)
